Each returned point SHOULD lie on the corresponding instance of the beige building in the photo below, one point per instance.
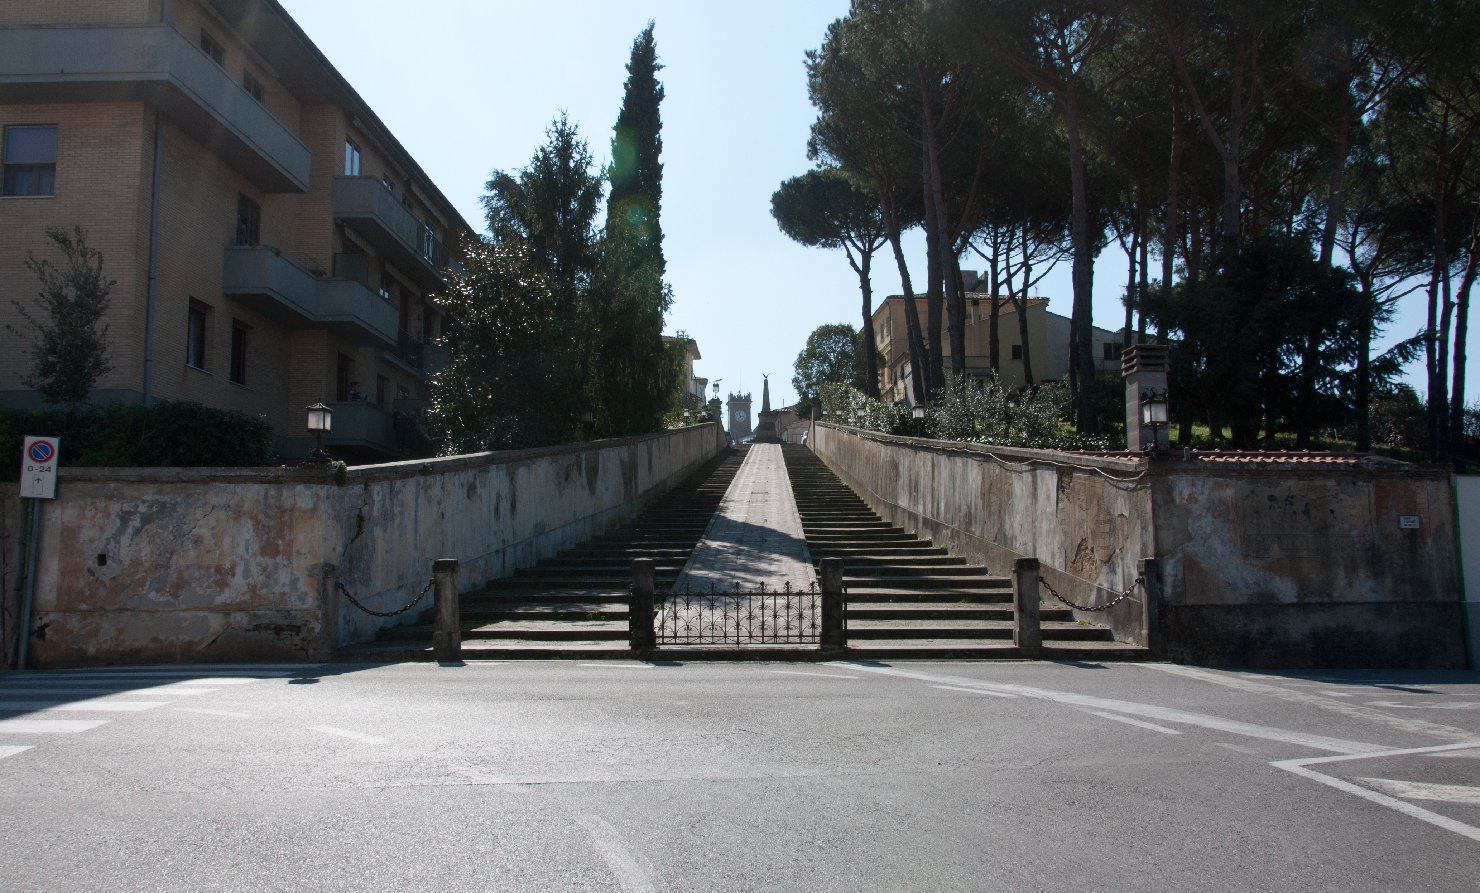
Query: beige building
(1048, 344)
(274, 245)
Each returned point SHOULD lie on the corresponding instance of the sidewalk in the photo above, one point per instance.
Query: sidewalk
(756, 536)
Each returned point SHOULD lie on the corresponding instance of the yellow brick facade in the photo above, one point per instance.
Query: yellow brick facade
(104, 184)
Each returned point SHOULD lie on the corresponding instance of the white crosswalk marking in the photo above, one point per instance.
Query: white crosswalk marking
(86, 706)
(27, 726)
(12, 750)
(1420, 790)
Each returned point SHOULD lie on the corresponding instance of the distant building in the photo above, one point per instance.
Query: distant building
(740, 418)
(274, 244)
(1047, 344)
(690, 386)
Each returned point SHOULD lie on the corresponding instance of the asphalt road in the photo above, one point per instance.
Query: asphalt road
(719, 777)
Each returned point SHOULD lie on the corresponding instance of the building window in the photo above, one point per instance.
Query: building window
(254, 87)
(212, 47)
(344, 377)
(351, 159)
(1017, 351)
(197, 329)
(239, 351)
(30, 160)
(389, 186)
(248, 221)
(1110, 350)
(382, 391)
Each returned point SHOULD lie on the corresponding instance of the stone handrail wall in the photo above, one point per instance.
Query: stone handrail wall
(1087, 519)
(1311, 565)
(140, 565)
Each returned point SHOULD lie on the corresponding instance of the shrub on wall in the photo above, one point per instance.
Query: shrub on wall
(164, 435)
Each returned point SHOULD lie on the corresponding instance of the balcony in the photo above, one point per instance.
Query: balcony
(375, 212)
(154, 64)
(286, 293)
(363, 428)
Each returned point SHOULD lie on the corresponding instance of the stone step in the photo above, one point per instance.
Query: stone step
(905, 570)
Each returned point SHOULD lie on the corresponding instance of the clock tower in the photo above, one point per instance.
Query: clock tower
(739, 406)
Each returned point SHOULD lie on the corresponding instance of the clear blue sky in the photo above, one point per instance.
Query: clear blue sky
(469, 86)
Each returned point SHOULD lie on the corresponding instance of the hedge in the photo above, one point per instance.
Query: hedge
(163, 435)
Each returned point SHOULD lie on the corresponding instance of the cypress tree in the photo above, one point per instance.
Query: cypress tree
(636, 172)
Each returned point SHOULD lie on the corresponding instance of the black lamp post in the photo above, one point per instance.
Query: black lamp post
(320, 422)
(1154, 416)
(917, 414)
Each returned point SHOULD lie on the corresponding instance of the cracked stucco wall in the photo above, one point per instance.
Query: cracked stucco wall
(164, 565)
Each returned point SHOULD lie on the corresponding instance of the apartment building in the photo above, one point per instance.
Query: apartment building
(274, 244)
(1047, 343)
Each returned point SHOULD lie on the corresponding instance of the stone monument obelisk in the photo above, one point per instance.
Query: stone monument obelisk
(765, 429)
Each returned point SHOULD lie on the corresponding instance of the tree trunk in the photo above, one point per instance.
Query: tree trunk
(1144, 289)
(934, 305)
(1130, 286)
(1461, 331)
(994, 353)
(1173, 214)
(911, 312)
(1334, 197)
(1436, 274)
(870, 349)
(1021, 305)
(1364, 364)
(1083, 358)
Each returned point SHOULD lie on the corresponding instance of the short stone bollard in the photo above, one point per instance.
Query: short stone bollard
(640, 608)
(329, 599)
(834, 635)
(447, 634)
(1027, 630)
(1149, 570)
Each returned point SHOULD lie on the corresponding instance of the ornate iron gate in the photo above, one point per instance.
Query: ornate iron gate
(733, 617)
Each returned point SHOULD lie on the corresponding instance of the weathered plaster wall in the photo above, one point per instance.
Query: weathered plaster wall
(1258, 568)
(1088, 520)
(1297, 567)
(219, 564)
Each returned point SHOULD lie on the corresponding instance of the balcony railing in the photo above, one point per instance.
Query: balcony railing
(376, 213)
(287, 293)
(157, 65)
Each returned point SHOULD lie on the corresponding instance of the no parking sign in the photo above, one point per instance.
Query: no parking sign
(39, 468)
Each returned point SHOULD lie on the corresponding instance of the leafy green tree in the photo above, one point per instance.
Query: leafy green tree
(66, 334)
(508, 384)
(826, 209)
(637, 146)
(831, 356)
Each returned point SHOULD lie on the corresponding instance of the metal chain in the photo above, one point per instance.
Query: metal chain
(414, 602)
(1105, 607)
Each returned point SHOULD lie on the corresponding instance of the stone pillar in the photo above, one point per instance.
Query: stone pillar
(447, 635)
(1149, 570)
(640, 634)
(1144, 367)
(834, 624)
(1027, 631)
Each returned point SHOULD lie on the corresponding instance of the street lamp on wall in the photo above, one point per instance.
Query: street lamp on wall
(917, 415)
(1154, 415)
(320, 422)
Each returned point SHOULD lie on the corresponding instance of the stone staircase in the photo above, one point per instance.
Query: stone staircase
(907, 597)
(574, 605)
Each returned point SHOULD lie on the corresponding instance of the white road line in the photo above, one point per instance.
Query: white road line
(1422, 790)
(48, 726)
(608, 842)
(84, 706)
(1301, 768)
(619, 666)
(134, 680)
(818, 675)
(974, 691)
(109, 692)
(1312, 699)
(1147, 711)
(1135, 722)
(12, 750)
(346, 733)
(205, 712)
(1453, 705)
